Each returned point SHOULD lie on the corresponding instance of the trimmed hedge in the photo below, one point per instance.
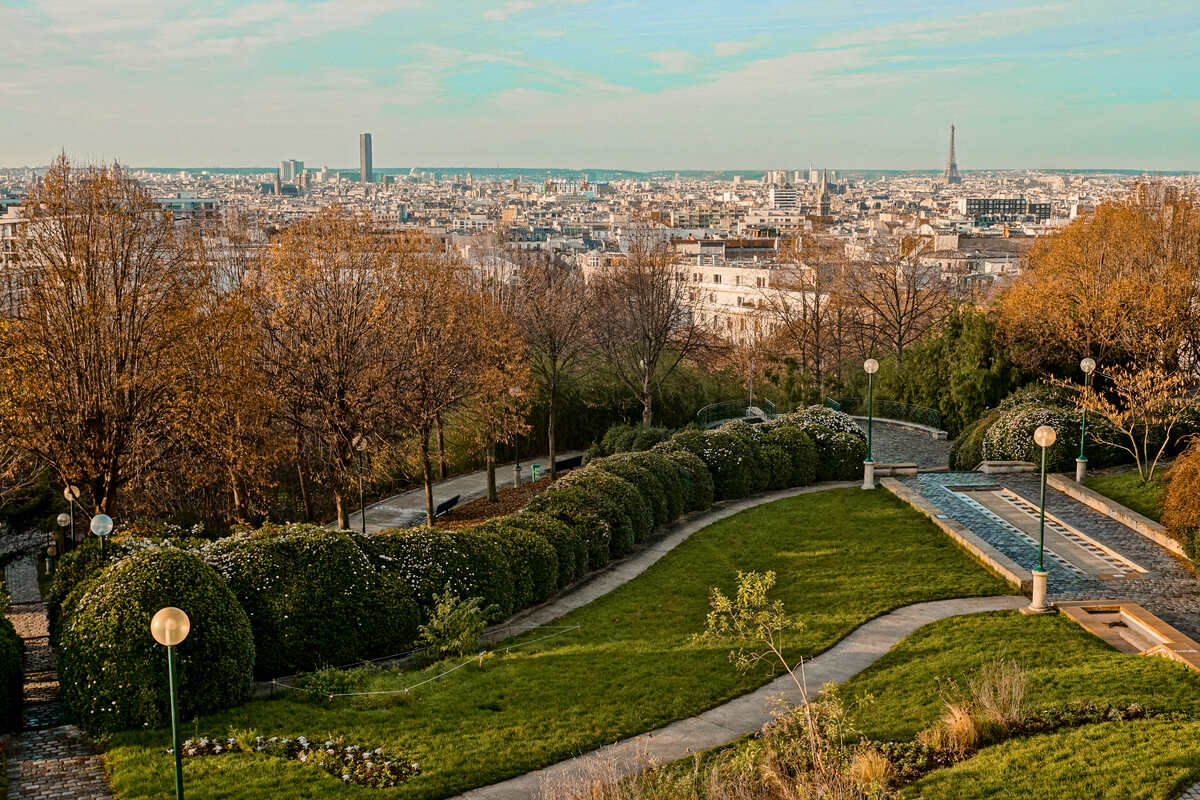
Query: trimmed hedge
(800, 451)
(694, 478)
(612, 499)
(668, 473)
(305, 592)
(625, 438)
(757, 465)
(643, 480)
(532, 559)
(569, 546)
(1010, 437)
(966, 451)
(113, 674)
(728, 458)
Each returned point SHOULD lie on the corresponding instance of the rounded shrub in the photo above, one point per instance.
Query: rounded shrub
(12, 677)
(778, 466)
(668, 473)
(617, 439)
(966, 451)
(114, 675)
(758, 470)
(727, 457)
(430, 560)
(569, 546)
(642, 479)
(533, 560)
(305, 592)
(842, 457)
(824, 418)
(1010, 438)
(614, 499)
(571, 510)
(800, 451)
(646, 436)
(694, 478)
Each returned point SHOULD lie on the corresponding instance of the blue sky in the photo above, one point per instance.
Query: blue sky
(602, 83)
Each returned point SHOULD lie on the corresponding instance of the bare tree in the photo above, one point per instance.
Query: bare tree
(101, 378)
(553, 319)
(900, 297)
(642, 320)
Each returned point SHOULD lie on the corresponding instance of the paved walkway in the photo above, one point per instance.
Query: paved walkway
(48, 760)
(408, 508)
(1167, 589)
(894, 444)
(750, 712)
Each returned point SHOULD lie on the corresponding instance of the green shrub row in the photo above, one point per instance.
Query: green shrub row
(289, 598)
(625, 438)
(12, 672)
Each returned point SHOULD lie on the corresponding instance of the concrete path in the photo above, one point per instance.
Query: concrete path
(47, 760)
(408, 508)
(750, 712)
(619, 572)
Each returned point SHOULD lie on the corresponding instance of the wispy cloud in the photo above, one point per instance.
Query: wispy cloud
(674, 62)
(501, 13)
(724, 49)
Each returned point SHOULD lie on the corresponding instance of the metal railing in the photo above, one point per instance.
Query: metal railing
(834, 404)
(713, 415)
(889, 409)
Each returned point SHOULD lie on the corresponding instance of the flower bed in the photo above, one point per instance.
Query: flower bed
(363, 766)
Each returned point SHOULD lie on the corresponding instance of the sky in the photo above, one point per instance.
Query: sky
(854, 84)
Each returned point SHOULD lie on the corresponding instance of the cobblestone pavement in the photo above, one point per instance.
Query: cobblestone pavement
(48, 760)
(891, 444)
(1168, 589)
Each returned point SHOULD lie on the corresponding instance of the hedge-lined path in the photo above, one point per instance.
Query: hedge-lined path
(620, 572)
(47, 760)
(402, 509)
(748, 713)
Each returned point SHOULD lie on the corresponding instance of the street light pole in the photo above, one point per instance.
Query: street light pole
(169, 628)
(515, 391)
(870, 366)
(360, 444)
(102, 526)
(1088, 365)
(1044, 436)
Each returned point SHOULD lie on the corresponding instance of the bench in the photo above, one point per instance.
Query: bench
(574, 462)
(445, 506)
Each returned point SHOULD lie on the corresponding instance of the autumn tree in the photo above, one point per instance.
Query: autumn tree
(458, 344)
(1143, 404)
(642, 322)
(1118, 285)
(552, 313)
(101, 380)
(331, 343)
(900, 297)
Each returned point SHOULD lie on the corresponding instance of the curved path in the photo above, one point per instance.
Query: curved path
(748, 713)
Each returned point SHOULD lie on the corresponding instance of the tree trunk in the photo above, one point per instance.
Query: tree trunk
(427, 474)
(550, 414)
(490, 458)
(304, 496)
(647, 399)
(443, 466)
(239, 499)
(343, 519)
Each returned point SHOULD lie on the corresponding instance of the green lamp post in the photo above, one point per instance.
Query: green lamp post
(1088, 365)
(360, 445)
(871, 366)
(1044, 436)
(102, 526)
(169, 627)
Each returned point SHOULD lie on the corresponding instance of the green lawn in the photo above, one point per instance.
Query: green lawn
(1064, 663)
(1141, 760)
(1128, 490)
(842, 557)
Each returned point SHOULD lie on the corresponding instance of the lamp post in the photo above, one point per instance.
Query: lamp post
(1088, 365)
(515, 391)
(102, 526)
(1044, 436)
(871, 366)
(169, 628)
(59, 543)
(360, 444)
(71, 494)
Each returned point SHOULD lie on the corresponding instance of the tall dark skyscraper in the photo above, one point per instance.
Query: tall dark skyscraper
(951, 174)
(366, 173)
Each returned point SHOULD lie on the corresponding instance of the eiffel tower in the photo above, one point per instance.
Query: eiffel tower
(951, 175)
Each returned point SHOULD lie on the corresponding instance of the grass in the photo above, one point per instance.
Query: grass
(1063, 661)
(842, 557)
(1142, 760)
(1128, 490)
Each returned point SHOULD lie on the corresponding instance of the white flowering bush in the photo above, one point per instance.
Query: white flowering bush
(728, 457)
(822, 417)
(375, 768)
(305, 592)
(112, 673)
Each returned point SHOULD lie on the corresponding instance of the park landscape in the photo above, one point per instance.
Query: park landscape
(814, 591)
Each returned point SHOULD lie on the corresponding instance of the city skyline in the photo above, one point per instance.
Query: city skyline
(598, 84)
